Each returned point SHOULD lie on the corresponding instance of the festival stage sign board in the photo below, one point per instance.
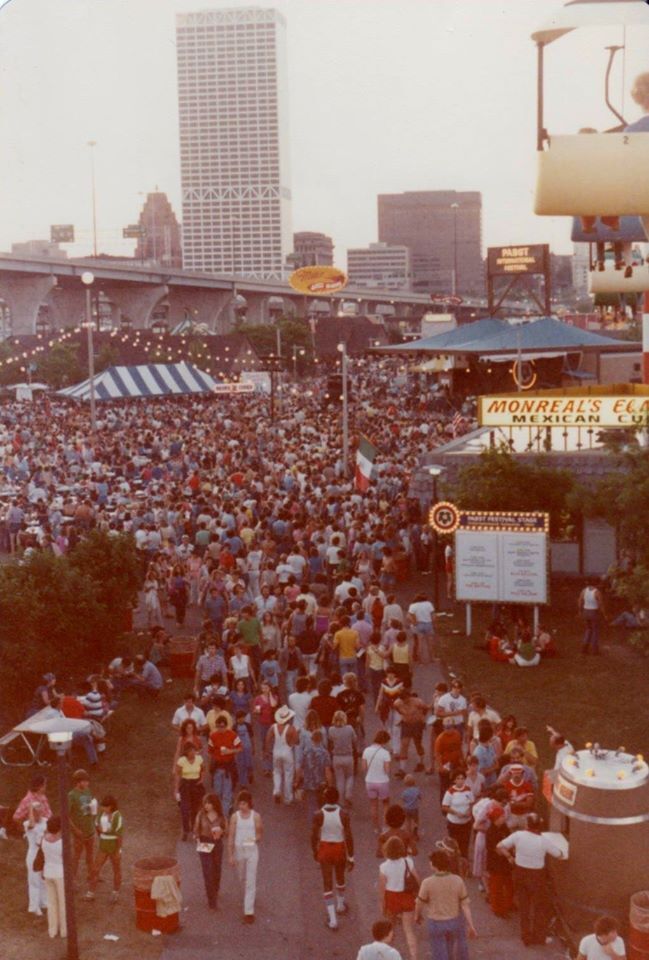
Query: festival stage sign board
(501, 557)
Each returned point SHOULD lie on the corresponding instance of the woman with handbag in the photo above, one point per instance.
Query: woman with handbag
(210, 828)
(333, 848)
(35, 827)
(398, 888)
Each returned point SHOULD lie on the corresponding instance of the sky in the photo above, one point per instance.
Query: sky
(384, 96)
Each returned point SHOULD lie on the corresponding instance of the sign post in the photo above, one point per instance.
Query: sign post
(516, 264)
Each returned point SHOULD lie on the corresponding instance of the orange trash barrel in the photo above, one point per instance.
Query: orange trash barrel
(182, 654)
(144, 873)
(639, 926)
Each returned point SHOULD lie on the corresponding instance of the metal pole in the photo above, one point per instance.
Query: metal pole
(343, 361)
(272, 395)
(435, 565)
(68, 881)
(92, 144)
(540, 132)
(468, 619)
(294, 362)
(91, 361)
(455, 249)
(278, 338)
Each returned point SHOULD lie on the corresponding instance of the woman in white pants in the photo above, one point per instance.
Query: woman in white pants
(35, 827)
(244, 836)
(53, 876)
(281, 741)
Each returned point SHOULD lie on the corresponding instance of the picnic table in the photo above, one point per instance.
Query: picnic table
(27, 744)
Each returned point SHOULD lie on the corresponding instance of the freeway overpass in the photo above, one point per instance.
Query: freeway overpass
(134, 292)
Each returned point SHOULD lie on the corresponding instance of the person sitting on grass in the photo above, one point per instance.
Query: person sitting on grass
(526, 653)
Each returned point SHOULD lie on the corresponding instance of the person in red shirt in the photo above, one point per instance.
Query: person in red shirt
(521, 797)
(447, 749)
(224, 745)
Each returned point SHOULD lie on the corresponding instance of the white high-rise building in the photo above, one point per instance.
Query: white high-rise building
(232, 92)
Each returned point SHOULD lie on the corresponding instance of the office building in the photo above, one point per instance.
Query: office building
(232, 93)
(311, 249)
(159, 241)
(580, 269)
(39, 250)
(380, 265)
(443, 230)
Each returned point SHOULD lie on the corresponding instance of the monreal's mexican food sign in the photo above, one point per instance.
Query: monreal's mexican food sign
(591, 411)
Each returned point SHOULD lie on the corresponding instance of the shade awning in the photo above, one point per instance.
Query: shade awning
(592, 13)
(144, 380)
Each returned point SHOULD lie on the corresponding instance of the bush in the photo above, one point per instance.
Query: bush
(64, 614)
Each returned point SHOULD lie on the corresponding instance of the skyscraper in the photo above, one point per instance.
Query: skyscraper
(160, 239)
(232, 93)
(443, 229)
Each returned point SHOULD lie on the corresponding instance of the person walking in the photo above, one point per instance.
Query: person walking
(35, 826)
(527, 850)
(244, 836)
(343, 744)
(210, 827)
(456, 806)
(224, 747)
(110, 828)
(333, 848)
(398, 886)
(263, 707)
(188, 786)
(381, 947)
(443, 902)
(591, 607)
(281, 740)
(376, 767)
(53, 877)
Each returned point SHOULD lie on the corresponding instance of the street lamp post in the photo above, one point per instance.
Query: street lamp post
(455, 207)
(88, 279)
(342, 347)
(434, 473)
(61, 742)
(92, 144)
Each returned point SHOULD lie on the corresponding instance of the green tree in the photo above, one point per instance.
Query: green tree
(108, 356)
(500, 481)
(294, 332)
(60, 366)
(111, 563)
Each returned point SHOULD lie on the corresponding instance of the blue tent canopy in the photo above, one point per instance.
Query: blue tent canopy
(488, 336)
(144, 380)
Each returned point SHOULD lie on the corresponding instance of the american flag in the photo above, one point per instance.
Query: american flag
(457, 423)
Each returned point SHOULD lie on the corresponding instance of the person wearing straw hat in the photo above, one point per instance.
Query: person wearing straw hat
(281, 740)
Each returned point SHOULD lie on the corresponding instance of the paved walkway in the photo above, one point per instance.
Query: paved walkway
(290, 916)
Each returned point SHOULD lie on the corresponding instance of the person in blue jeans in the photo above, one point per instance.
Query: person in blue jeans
(243, 759)
(443, 902)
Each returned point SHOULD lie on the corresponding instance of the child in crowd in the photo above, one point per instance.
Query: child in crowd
(270, 671)
(410, 800)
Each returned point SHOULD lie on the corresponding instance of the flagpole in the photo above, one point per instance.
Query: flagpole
(342, 347)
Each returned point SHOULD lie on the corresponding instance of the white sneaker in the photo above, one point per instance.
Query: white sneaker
(3, 834)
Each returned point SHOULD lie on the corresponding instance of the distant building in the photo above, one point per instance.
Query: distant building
(311, 249)
(580, 269)
(39, 249)
(160, 242)
(382, 265)
(234, 163)
(443, 230)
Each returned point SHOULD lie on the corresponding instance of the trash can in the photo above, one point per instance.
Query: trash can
(144, 873)
(182, 653)
(639, 926)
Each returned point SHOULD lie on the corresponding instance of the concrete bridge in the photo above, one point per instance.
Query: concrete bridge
(134, 294)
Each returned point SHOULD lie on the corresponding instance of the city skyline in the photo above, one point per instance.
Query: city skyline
(419, 96)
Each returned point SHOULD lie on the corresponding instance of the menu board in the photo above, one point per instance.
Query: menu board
(502, 567)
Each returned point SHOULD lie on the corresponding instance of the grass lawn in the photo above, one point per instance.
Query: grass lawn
(136, 768)
(598, 699)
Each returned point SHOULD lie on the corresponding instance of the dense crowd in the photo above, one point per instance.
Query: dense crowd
(305, 671)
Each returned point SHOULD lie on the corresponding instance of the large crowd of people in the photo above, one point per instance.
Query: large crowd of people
(306, 677)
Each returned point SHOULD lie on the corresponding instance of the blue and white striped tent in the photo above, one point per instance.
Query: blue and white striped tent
(144, 380)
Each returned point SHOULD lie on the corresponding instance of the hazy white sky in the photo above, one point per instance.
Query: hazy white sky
(385, 96)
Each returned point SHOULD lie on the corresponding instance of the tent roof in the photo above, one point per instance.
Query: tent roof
(145, 380)
(489, 336)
